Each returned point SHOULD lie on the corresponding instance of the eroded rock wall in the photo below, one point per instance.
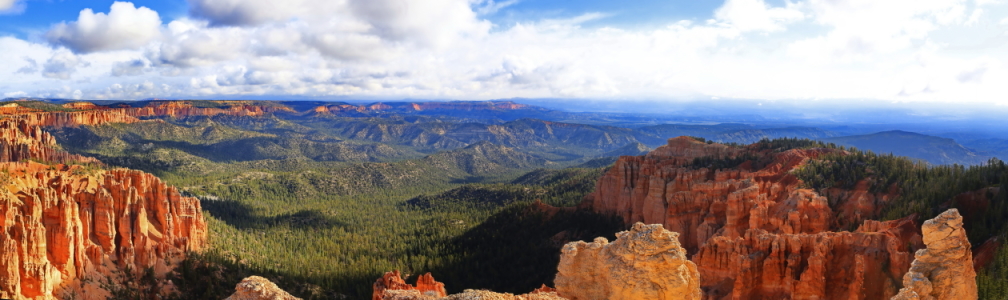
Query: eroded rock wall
(753, 232)
(62, 224)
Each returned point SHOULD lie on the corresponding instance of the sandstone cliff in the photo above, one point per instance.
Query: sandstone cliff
(645, 262)
(258, 288)
(944, 270)
(60, 225)
(753, 232)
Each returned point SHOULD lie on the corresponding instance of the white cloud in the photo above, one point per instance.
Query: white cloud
(756, 15)
(31, 68)
(61, 65)
(809, 49)
(12, 7)
(489, 7)
(124, 27)
(244, 12)
(129, 68)
(862, 29)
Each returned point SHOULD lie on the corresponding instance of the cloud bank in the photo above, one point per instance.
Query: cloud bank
(898, 50)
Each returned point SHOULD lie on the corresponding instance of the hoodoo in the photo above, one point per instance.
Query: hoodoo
(753, 231)
(63, 228)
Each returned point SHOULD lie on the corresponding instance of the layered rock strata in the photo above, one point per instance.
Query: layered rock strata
(63, 228)
(60, 225)
(753, 232)
(943, 270)
(258, 288)
(645, 262)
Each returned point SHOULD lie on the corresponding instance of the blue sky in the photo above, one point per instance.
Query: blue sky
(894, 51)
(38, 15)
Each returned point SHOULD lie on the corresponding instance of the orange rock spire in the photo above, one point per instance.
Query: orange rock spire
(755, 233)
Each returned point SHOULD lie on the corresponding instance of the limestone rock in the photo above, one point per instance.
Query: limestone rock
(62, 227)
(753, 231)
(944, 270)
(645, 262)
(258, 288)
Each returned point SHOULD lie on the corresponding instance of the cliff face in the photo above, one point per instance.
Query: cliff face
(944, 270)
(645, 262)
(63, 229)
(753, 232)
(61, 224)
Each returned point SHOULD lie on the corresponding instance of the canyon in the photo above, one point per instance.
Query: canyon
(727, 221)
(67, 223)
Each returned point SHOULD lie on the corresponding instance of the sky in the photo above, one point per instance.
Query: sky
(804, 51)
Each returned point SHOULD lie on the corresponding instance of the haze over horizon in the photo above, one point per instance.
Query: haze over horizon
(812, 53)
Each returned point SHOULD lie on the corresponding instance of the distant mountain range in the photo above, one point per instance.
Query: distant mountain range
(389, 131)
(934, 150)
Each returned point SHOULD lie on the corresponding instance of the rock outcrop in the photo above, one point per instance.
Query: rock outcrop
(258, 288)
(392, 287)
(425, 285)
(645, 262)
(64, 227)
(943, 270)
(753, 231)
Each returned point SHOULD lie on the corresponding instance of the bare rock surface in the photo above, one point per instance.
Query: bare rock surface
(645, 262)
(258, 288)
(944, 270)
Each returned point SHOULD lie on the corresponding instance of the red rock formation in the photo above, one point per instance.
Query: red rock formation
(393, 281)
(14, 108)
(755, 233)
(984, 254)
(21, 141)
(63, 227)
(61, 224)
(185, 109)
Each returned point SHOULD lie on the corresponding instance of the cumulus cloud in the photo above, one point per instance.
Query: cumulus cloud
(31, 68)
(6, 4)
(801, 49)
(860, 29)
(243, 12)
(756, 15)
(973, 75)
(61, 65)
(8, 7)
(129, 68)
(124, 27)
